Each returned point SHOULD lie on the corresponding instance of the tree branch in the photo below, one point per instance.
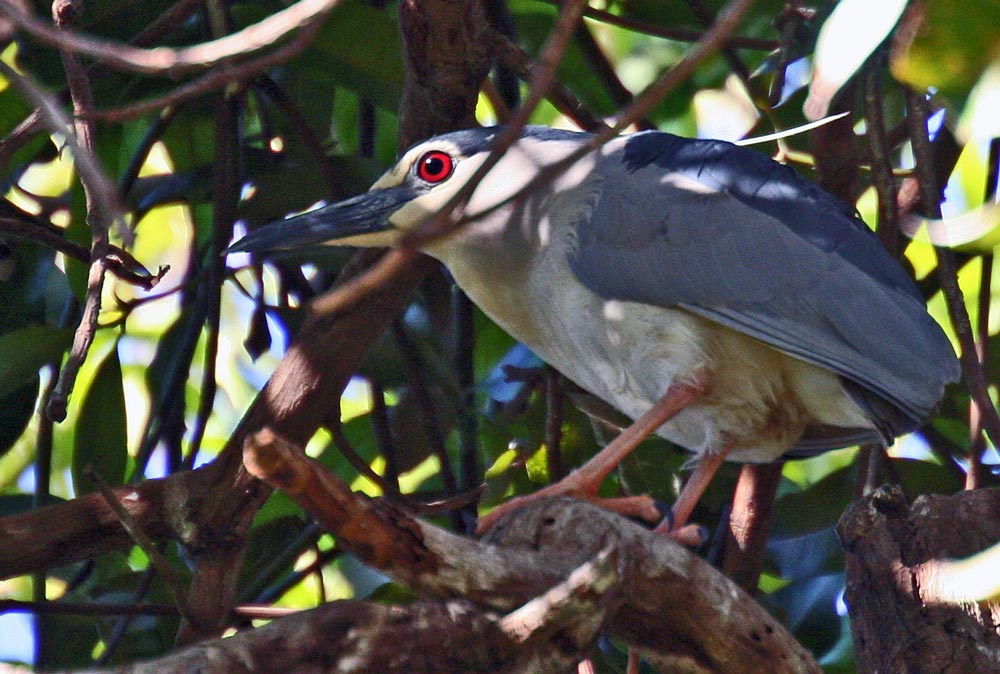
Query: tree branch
(172, 62)
(898, 621)
(548, 634)
(668, 603)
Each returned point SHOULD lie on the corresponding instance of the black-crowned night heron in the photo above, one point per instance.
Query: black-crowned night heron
(704, 290)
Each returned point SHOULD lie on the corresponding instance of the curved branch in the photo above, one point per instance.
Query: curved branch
(548, 634)
(168, 61)
(674, 607)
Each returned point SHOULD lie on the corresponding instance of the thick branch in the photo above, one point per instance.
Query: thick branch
(898, 618)
(549, 634)
(675, 607)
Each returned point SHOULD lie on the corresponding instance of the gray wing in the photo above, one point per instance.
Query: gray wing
(730, 235)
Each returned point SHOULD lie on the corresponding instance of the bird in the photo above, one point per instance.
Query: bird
(709, 293)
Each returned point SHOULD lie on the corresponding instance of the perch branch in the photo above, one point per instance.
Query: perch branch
(548, 634)
(668, 603)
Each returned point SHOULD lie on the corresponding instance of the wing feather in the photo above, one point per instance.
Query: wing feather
(730, 235)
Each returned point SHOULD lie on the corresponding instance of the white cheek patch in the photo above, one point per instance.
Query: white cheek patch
(414, 213)
(391, 178)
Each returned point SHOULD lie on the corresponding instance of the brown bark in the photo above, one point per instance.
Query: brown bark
(749, 522)
(674, 607)
(549, 634)
(900, 617)
(447, 54)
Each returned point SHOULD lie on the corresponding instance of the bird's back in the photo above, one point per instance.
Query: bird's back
(730, 235)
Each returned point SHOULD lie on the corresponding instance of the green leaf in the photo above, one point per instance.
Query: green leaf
(814, 508)
(25, 351)
(955, 43)
(24, 277)
(342, 54)
(100, 441)
(68, 641)
(15, 413)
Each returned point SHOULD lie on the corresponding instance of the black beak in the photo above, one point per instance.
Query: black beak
(366, 213)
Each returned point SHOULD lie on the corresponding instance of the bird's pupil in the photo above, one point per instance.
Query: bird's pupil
(434, 166)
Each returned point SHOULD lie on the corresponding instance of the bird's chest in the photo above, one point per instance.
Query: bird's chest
(626, 353)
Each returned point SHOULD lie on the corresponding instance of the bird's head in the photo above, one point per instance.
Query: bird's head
(425, 178)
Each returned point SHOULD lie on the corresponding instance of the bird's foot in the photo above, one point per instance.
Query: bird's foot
(689, 535)
(638, 507)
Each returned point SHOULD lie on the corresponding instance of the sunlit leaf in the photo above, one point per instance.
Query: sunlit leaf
(955, 41)
(848, 37)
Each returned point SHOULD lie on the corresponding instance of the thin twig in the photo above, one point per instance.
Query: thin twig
(432, 425)
(515, 58)
(256, 588)
(119, 261)
(226, 182)
(604, 71)
(278, 590)
(121, 628)
(25, 229)
(881, 165)
(972, 369)
(142, 539)
(347, 450)
(100, 214)
(87, 608)
(677, 34)
(213, 80)
(383, 433)
(976, 474)
(317, 148)
(463, 312)
(172, 62)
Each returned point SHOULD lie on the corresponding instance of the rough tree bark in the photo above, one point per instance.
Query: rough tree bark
(901, 615)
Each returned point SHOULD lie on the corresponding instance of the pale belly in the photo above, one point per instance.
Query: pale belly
(758, 402)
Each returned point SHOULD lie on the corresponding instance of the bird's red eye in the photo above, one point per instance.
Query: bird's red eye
(435, 166)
